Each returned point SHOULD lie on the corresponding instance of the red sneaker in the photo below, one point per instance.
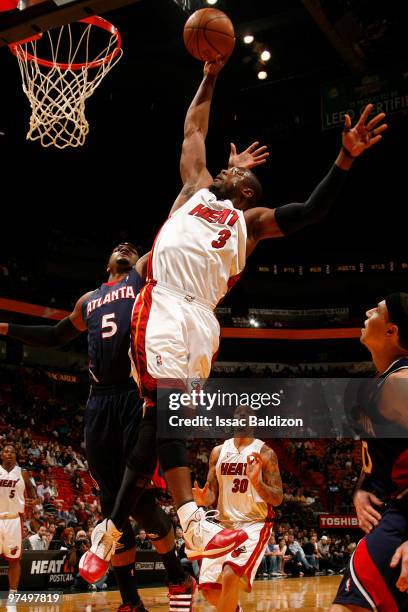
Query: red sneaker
(94, 564)
(204, 538)
(181, 595)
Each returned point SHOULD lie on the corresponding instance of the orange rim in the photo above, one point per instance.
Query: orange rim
(17, 49)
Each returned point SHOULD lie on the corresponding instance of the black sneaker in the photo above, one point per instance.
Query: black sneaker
(181, 594)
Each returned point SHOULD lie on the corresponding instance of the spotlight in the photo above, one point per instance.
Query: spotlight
(262, 75)
(248, 38)
(265, 56)
(253, 322)
(212, 1)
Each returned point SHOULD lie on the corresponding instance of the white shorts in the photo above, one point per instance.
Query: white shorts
(174, 336)
(11, 538)
(244, 560)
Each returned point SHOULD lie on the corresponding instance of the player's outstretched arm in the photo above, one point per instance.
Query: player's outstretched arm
(193, 165)
(273, 223)
(49, 335)
(263, 472)
(208, 494)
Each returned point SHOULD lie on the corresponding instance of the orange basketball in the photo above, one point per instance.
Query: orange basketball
(209, 33)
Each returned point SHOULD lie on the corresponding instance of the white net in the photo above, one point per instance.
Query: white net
(58, 90)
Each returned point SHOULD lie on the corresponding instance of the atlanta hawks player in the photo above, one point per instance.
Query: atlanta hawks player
(197, 255)
(13, 483)
(244, 475)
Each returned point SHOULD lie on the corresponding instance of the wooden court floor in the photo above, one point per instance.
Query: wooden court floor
(288, 594)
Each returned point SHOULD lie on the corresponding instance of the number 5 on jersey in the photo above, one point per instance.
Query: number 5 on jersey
(108, 323)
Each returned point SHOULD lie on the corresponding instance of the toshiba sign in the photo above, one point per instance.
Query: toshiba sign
(338, 521)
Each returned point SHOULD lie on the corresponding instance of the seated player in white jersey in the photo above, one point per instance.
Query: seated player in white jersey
(243, 475)
(13, 483)
(198, 253)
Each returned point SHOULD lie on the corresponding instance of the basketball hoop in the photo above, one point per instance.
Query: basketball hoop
(58, 90)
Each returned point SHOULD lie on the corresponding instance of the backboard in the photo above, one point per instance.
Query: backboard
(34, 16)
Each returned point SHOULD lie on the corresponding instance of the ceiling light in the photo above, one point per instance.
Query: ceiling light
(212, 1)
(262, 75)
(265, 56)
(248, 38)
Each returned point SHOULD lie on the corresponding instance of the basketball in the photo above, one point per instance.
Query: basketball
(209, 33)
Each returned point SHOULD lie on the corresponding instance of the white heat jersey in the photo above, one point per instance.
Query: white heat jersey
(201, 247)
(238, 501)
(12, 487)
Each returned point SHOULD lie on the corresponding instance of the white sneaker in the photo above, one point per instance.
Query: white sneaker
(94, 564)
(204, 538)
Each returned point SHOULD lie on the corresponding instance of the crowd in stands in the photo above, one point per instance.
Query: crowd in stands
(46, 427)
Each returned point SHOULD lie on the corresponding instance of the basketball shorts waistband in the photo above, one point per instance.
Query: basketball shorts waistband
(188, 297)
(128, 385)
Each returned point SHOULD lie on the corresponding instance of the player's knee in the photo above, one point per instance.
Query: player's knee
(229, 577)
(142, 458)
(211, 595)
(14, 562)
(172, 453)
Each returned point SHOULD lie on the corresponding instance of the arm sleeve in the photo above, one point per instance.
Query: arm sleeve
(45, 335)
(295, 216)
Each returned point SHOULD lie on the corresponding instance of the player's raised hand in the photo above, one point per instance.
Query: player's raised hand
(367, 515)
(214, 66)
(251, 157)
(364, 134)
(254, 467)
(401, 556)
(201, 496)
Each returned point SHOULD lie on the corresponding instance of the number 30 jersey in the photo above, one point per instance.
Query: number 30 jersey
(238, 501)
(201, 247)
(107, 313)
(12, 488)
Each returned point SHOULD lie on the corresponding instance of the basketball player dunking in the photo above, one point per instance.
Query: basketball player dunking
(214, 225)
(13, 483)
(244, 476)
(372, 582)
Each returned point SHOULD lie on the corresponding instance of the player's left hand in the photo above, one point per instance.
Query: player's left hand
(251, 157)
(254, 467)
(401, 556)
(364, 134)
(216, 65)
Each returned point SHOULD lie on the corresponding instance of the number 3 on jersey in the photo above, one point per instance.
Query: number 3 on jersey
(223, 237)
(108, 323)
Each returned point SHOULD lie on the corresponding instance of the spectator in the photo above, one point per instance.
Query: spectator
(49, 505)
(323, 551)
(142, 541)
(298, 555)
(39, 540)
(311, 551)
(26, 539)
(271, 561)
(36, 521)
(191, 567)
